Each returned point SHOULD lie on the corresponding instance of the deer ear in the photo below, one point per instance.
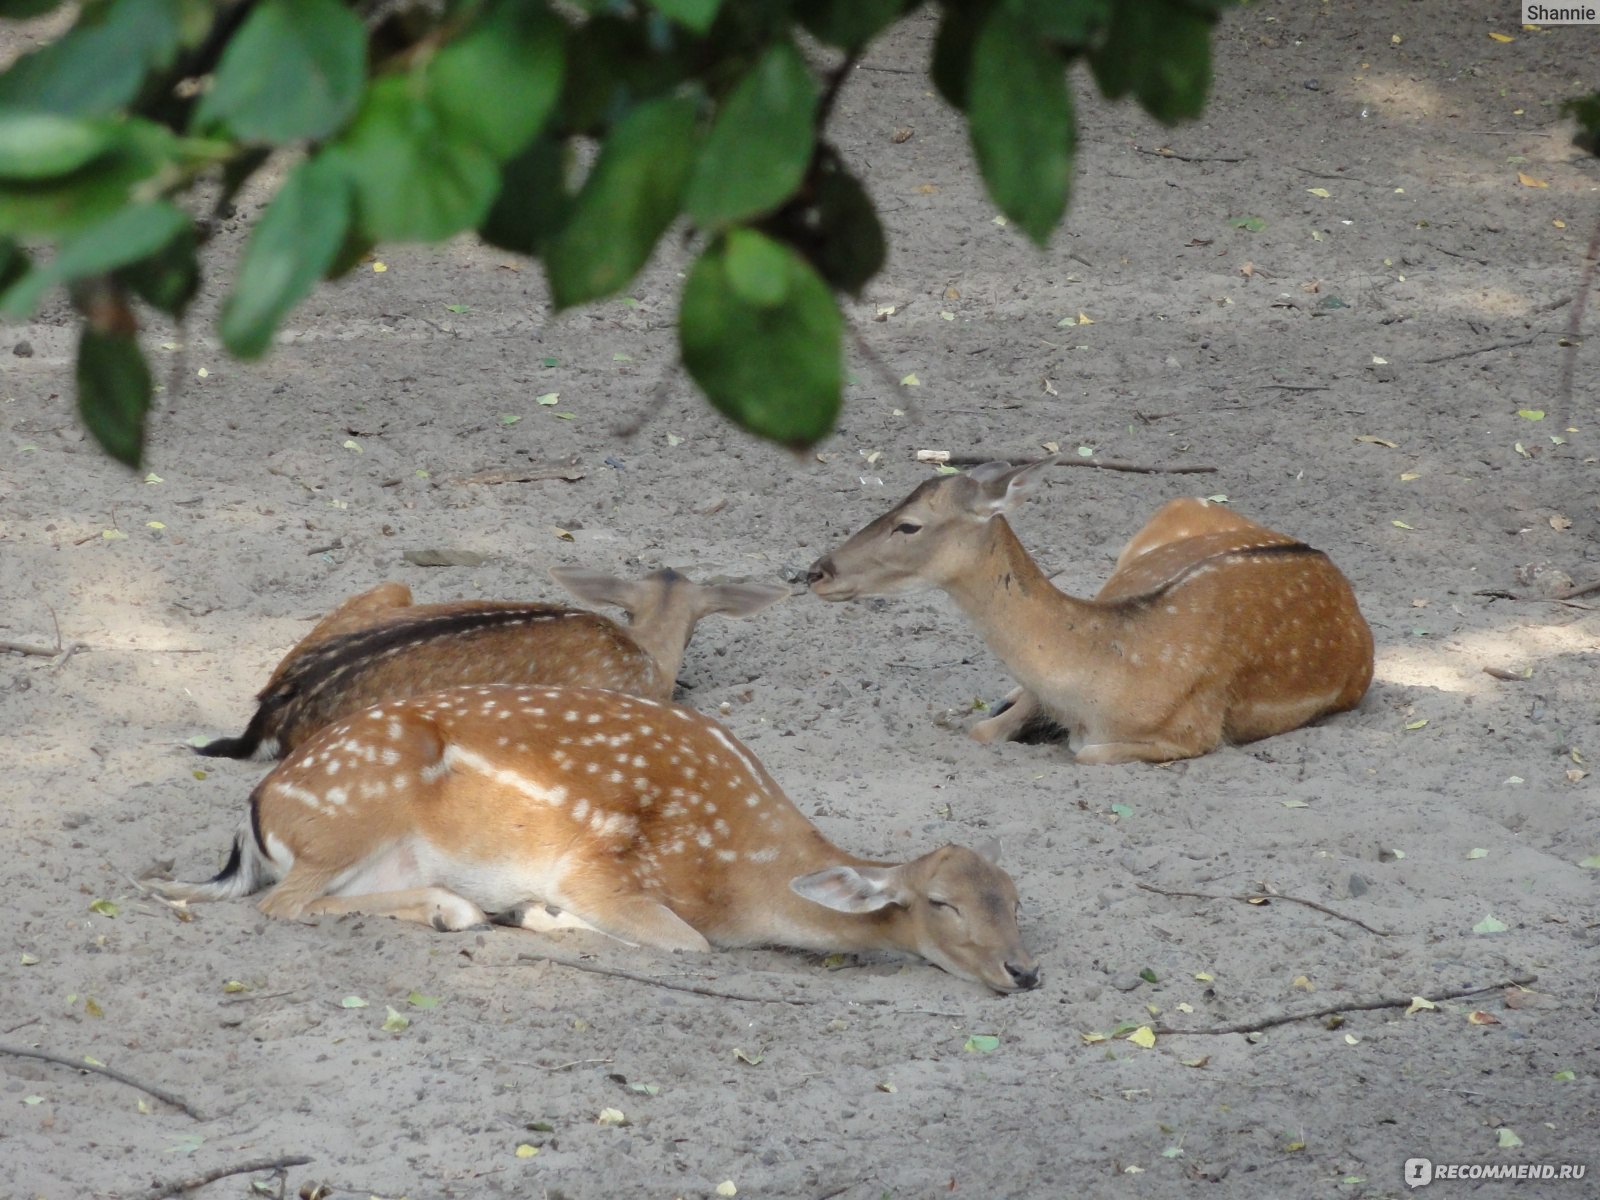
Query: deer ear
(740, 599)
(1001, 487)
(849, 889)
(989, 850)
(596, 587)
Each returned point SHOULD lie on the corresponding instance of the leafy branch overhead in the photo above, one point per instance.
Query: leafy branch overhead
(420, 122)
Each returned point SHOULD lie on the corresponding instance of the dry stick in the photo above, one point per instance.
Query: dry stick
(1591, 261)
(1560, 598)
(159, 1093)
(1332, 1010)
(1189, 158)
(1293, 387)
(1254, 899)
(172, 1188)
(692, 988)
(1480, 350)
(1109, 464)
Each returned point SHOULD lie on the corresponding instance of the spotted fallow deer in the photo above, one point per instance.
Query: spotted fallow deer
(642, 820)
(380, 646)
(1211, 629)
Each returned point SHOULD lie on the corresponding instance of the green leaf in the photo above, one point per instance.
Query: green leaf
(113, 392)
(1073, 23)
(696, 15)
(952, 50)
(1506, 1138)
(292, 245)
(169, 278)
(94, 192)
(837, 229)
(14, 264)
(848, 24)
(1490, 924)
(418, 1000)
(1021, 124)
(99, 65)
(758, 268)
(294, 70)
(124, 237)
(416, 178)
(629, 199)
(982, 1043)
(760, 144)
(514, 56)
(533, 202)
(42, 145)
(612, 65)
(104, 907)
(17, 10)
(352, 1002)
(1160, 50)
(773, 369)
(396, 1021)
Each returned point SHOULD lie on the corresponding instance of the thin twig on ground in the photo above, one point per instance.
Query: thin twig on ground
(1293, 387)
(1443, 358)
(1334, 1009)
(1108, 464)
(1188, 158)
(78, 1064)
(1591, 261)
(1261, 900)
(178, 1186)
(695, 989)
(1561, 598)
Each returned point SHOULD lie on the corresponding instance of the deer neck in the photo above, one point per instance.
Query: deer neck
(787, 919)
(1038, 631)
(664, 637)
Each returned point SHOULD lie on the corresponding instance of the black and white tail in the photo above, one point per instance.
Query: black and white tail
(246, 872)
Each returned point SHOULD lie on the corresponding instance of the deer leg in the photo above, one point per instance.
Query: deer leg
(540, 919)
(435, 906)
(1017, 711)
(632, 917)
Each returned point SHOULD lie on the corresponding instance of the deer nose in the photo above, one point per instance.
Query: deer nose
(1023, 977)
(821, 570)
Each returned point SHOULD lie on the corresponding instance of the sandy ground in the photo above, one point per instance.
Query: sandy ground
(1417, 301)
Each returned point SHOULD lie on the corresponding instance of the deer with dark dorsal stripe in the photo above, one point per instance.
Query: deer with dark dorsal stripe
(1211, 629)
(643, 820)
(380, 646)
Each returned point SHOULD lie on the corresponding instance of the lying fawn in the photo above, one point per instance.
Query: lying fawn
(379, 646)
(1212, 628)
(638, 819)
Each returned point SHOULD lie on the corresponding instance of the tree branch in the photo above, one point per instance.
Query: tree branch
(172, 1188)
(78, 1064)
(1332, 1010)
(1108, 464)
(1261, 900)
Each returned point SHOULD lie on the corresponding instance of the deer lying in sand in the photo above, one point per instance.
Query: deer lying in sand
(642, 820)
(1211, 629)
(379, 646)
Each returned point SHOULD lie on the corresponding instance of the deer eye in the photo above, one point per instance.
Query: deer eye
(908, 527)
(944, 904)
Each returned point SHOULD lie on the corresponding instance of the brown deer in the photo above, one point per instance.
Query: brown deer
(1211, 629)
(642, 820)
(380, 646)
